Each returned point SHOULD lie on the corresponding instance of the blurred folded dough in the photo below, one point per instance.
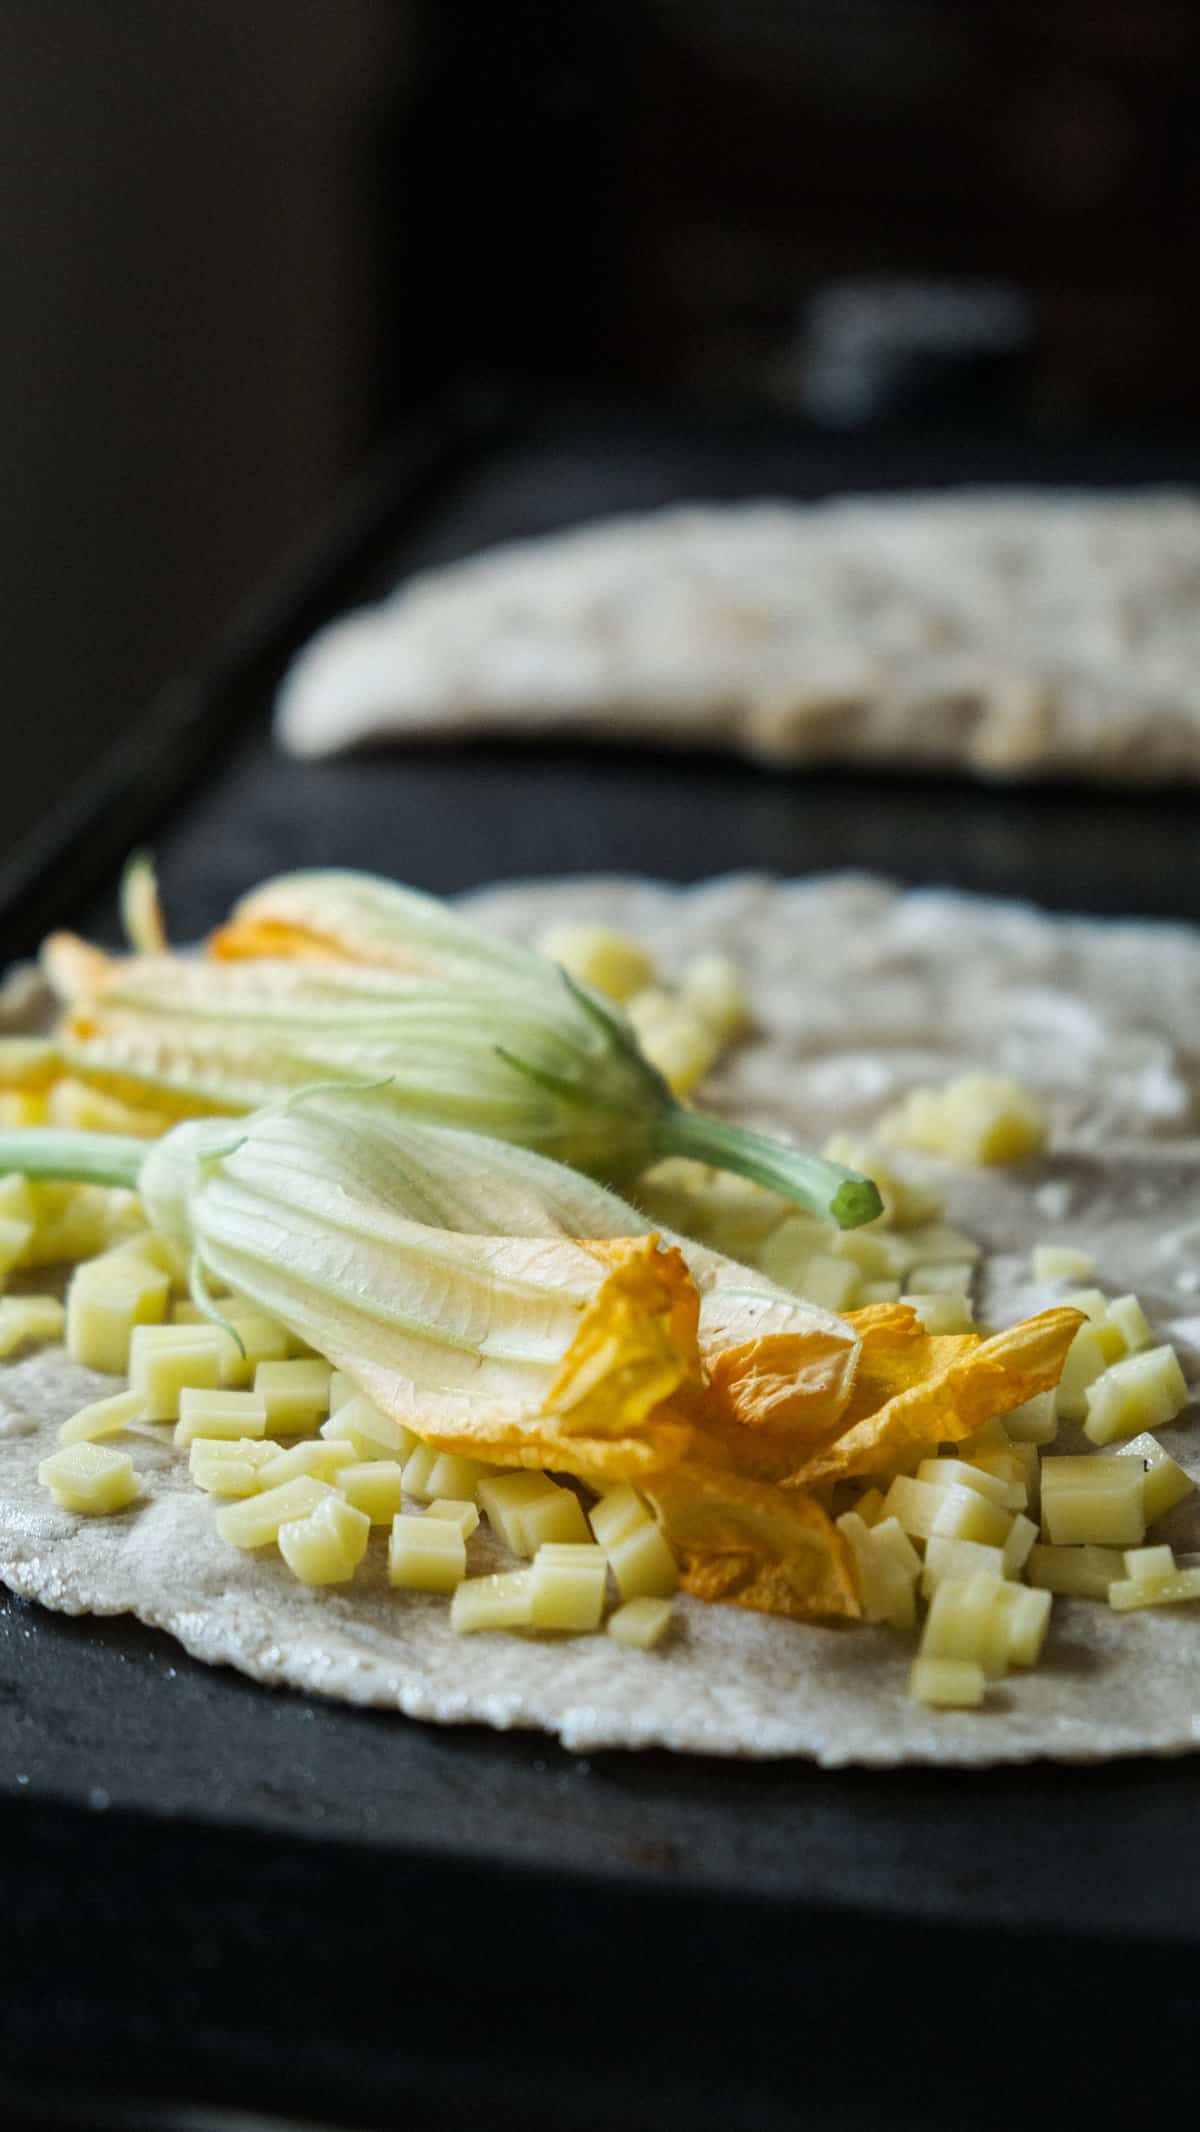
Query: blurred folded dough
(1006, 632)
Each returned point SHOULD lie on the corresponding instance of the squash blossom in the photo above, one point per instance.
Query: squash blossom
(325, 977)
(508, 1308)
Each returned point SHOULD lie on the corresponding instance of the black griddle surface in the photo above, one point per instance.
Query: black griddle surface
(898, 1890)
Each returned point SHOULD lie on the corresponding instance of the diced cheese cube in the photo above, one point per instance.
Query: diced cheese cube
(1019, 1545)
(1079, 1572)
(1171, 1588)
(1089, 1355)
(1057, 1262)
(90, 1478)
(1025, 1615)
(1164, 1481)
(557, 1515)
(1140, 1392)
(1093, 1500)
(259, 1338)
(501, 1602)
(256, 1522)
(315, 1455)
(15, 1239)
(505, 1497)
(229, 1466)
(941, 1313)
(104, 1417)
(374, 1486)
(876, 1292)
(870, 1505)
(963, 1622)
(643, 1564)
(464, 1515)
(1034, 1422)
(567, 1588)
(937, 1243)
(296, 1394)
(885, 1583)
(949, 1279)
(203, 1412)
(597, 955)
(641, 1623)
(1130, 1320)
(1091, 1301)
(617, 1514)
(164, 1359)
(712, 984)
(426, 1554)
(1143, 1562)
(373, 1434)
(958, 1559)
(674, 1037)
(947, 1683)
(429, 1473)
(926, 1512)
(28, 1317)
(957, 1473)
(160, 1252)
(327, 1546)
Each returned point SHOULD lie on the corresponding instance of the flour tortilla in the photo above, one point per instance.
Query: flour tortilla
(1010, 633)
(860, 990)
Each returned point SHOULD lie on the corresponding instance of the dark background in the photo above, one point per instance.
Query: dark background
(240, 241)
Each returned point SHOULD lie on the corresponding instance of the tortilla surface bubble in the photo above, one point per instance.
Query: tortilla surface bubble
(858, 992)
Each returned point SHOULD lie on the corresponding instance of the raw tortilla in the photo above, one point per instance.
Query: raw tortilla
(1010, 633)
(860, 991)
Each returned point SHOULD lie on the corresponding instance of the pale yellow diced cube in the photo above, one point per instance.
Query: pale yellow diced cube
(938, 1243)
(876, 1292)
(827, 1280)
(1130, 1320)
(90, 1478)
(950, 1279)
(327, 1546)
(256, 1522)
(373, 1434)
(947, 1683)
(1171, 1589)
(963, 1622)
(641, 1623)
(642, 1564)
(103, 1417)
(958, 1559)
(557, 1515)
(1140, 1392)
(1016, 1466)
(374, 1486)
(464, 1515)
(1019, 1545)
(28, 1317)
(426, 1554)
(1034, 1422)
(314, 1455)
(674, 1037)
(1164, 1481)
(233, 1466)
(500, 1602)
(19, 1199)
(885, 1583)
(429, 1473)
(1093, 1349)
(189, 1313)
(258, 1338)
(791, 1244)
(870, 1505)
(151, 1248)
(23, 1106)
(567, 1588)
(958, 1473)
(1093, 1501)
(1142, 1562)
(597, 955)
(504, 1497)
(164, 1359)
(953, 1513)
(879, 1254)
(15, 1239)
(1025, 1616)
(107, 1297)
(204, 1411)
(1078, 1572)
(617, 1514)
(712, 984)
(296, 1394)
(1058, 1262)
(980, 1119)
(942, 1313)
(1093, 1303)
